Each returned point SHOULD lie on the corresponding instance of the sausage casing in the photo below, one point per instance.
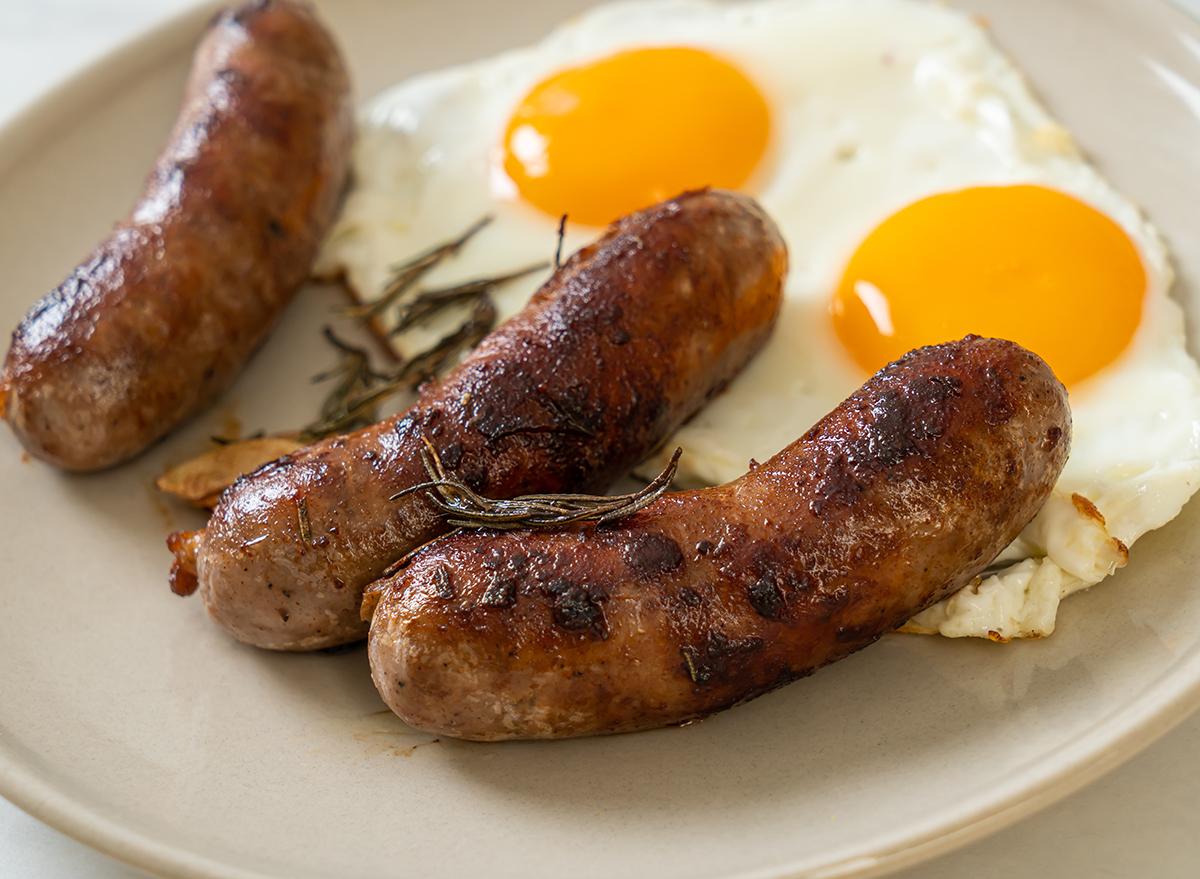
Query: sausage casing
(165, 311)
(706, 599)
(627, 340)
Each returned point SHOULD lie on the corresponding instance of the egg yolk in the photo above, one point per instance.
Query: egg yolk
(1024, 263)
(598, 141)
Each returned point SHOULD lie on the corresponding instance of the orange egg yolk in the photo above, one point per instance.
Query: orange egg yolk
(1024, 263)
(598, 141)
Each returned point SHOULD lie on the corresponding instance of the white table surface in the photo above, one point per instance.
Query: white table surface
(1140, 822)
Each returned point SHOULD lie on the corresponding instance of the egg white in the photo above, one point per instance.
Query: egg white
(875, 104)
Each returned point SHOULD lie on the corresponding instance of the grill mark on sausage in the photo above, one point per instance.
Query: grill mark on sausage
(1053, 435)
(652, 555)
(897, 424)
(508, 570)
(712, 658)
(576, 607)
(444, 583)
(765, 596)
(452, 455)
(501, 593)
(772, 572)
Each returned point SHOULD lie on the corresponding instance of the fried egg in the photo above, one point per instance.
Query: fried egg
(923, 191)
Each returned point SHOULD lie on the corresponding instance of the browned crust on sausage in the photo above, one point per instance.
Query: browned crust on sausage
(166, 310)
(627, 341)
(706, 599)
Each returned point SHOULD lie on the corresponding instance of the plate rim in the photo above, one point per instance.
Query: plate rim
(1084, 759)
(44, 116)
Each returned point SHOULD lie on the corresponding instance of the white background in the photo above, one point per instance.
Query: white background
(1140, 822)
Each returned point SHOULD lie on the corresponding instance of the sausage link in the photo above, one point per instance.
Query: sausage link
(708, 598)
(166, 310)
(621, 346)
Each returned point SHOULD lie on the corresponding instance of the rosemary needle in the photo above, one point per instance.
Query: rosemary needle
(405, 274)
(431, 302)
(465, 508)
(355, 400)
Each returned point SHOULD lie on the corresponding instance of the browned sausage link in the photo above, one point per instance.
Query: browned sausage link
(706, 599)
(628, 340)
(166, 310)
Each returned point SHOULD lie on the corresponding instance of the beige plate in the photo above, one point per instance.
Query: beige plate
(130, 722)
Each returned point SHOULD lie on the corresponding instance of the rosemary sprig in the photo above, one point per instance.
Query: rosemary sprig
(465, 508)
(354, 404)
(355, 401)
(429, 303)
(357, 376)
(354, 413)
(355, 365)
(469, 334)
(347, 406)
(406, 274)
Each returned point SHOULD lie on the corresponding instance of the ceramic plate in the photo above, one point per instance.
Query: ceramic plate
(132, 723)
